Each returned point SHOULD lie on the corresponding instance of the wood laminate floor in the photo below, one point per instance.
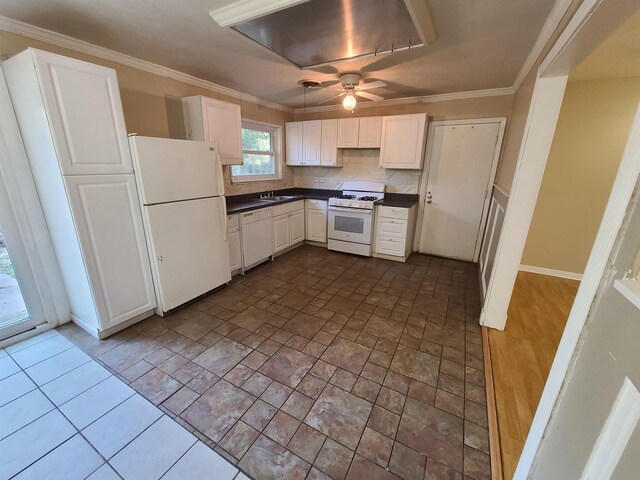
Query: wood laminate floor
(522, 355)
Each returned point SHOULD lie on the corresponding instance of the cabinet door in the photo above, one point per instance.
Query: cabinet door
(109, 223)
(281, 233)
(311, 141)
(348, 132)
(223, 125)
(297, 226)
(329, 147)
(85, 114)
(403, 140)
(370, 132)
(317, 226)
(235, 254)
(293, 139)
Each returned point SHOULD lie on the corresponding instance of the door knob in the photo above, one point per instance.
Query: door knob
(429, 197)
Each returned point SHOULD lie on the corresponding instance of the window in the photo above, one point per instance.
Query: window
(260, 153)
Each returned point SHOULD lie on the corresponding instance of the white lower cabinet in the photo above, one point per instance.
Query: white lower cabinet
(395, 229)
(234, 243)
(281, 232)
(316, 220)
(288, 225)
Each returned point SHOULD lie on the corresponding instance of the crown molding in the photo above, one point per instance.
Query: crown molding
(443, 97)
(246, 10)
(48, 36)
(558, 11)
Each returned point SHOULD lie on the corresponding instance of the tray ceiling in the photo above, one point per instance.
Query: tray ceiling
(480, 45)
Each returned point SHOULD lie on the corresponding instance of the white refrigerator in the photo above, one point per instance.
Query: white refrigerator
(181, 190)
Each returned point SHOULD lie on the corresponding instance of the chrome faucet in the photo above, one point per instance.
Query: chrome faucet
(266, 194)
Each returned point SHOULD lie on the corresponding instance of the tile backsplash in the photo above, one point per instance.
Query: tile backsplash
(360, 164)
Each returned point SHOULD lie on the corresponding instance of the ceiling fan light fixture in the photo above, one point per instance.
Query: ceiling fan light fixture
(349, 102)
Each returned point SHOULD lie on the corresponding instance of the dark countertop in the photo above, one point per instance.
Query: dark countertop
(250, 201)
(401, 200)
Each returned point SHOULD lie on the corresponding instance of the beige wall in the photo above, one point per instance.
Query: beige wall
(152, 104)
(590, 137)
(521, 102)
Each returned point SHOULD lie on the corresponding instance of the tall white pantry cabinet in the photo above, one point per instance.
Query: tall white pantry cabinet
(71, 120)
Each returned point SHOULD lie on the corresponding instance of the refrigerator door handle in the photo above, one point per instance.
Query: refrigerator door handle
(224, 215)
(220, 173)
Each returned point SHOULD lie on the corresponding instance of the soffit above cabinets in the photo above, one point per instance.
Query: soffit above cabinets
(321, 32)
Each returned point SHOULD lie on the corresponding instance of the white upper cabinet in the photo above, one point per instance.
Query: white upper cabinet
(304, 143)
(348, 129)
(369, 132)
(403, 141)
(293, 132)
(82, 104)
(329, 156)
(311, 142)
(212, 120)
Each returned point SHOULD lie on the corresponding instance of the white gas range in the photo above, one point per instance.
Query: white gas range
(351, 217)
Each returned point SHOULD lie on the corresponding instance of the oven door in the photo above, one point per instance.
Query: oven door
(350, 225)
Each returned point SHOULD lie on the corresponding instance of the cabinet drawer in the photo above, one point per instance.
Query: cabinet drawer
(232, 221)
(316, 204)
(393, 212)
(390, 246)
(287, 207)
(392, 228)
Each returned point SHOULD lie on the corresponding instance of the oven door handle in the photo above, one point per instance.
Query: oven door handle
(351, 210)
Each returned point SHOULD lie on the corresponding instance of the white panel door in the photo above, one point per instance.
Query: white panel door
(311, 142)
(169, 170)
(461, 169)
(281, 233)
(83, 105)
(109, 224)
(294, 143)
(370, 132)
(190, 253)
(348, 129)
(329, 143)
(296, 220)
(223, 125)
(403, 140)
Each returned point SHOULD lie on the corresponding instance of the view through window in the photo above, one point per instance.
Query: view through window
(260, 153)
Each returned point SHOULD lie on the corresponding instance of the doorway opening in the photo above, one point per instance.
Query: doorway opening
(598, 108)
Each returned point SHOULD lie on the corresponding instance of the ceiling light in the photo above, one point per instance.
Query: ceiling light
(349, 102)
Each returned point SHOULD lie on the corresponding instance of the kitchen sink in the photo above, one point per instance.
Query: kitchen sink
(277, 198)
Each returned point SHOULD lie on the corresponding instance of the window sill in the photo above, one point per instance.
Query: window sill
(235, 181)
(630, 289)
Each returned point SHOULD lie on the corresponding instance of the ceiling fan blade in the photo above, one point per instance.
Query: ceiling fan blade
(369, 96)
(331, 98)
(376, 84)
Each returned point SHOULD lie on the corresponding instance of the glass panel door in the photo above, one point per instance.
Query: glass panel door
(14, 316)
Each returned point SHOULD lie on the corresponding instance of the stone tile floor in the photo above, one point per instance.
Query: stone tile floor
(322, 365)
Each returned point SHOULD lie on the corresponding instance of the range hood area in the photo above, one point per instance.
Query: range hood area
(314, 33)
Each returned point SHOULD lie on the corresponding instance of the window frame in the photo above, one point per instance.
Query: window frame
(276, 145)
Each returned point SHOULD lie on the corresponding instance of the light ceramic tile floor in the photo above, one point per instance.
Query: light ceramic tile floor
(64, 416)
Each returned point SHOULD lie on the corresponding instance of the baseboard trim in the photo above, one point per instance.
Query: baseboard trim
(492, 410)
(551, 272)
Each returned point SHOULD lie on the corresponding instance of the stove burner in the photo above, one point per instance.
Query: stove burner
(347, 197)
(368, 198)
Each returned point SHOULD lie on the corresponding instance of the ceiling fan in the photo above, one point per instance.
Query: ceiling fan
(351, 87)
